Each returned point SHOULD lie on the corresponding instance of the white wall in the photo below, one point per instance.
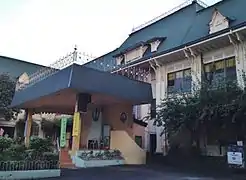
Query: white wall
(159, 84)
(95, 130)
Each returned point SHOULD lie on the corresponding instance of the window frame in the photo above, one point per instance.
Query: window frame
(182, 83)
(225, 67)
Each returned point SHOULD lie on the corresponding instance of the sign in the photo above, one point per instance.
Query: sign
(63, 132)
(76, 124)
(235, 158)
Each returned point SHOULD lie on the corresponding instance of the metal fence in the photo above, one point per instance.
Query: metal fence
(29, 165)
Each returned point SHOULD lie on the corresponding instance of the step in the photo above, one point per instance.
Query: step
(65, 160)
(67, 165)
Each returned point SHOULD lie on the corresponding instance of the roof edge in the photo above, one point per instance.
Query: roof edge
(160, 18)
(15, 59)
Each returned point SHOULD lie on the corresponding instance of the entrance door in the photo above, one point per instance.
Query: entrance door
(152, 143)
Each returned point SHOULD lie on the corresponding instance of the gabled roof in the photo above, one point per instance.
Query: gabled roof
(184, 27)
(200, 27)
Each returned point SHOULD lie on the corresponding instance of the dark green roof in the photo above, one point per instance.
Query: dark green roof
(184, 27)
(16, 67)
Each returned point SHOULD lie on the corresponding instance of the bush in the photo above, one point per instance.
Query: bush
(15, 156)
(50, 156)
(40, 144)
(15, 152)
(5, 143)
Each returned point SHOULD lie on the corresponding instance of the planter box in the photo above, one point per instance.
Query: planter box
(30, 174)
(96, 163)
(103, 163)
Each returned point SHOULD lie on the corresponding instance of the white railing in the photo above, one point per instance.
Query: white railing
(70, 58)
(186, 3)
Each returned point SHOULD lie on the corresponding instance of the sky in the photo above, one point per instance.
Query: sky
(42, 31)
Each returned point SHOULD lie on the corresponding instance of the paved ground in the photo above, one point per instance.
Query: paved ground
(131, 173)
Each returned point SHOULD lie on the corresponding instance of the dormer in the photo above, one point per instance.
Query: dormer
(120, 60)
(155, 43)
(138, 50)
(131, 54)
(218, 22)
(22, 80)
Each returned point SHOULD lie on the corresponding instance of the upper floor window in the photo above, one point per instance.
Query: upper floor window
(179, 81)
(219, 71)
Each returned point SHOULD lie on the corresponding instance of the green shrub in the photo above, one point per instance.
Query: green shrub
(50, 156)
(5, 143)
(16, 152)
(40, 144)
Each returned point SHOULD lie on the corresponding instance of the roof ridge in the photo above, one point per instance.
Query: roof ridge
(168, 13)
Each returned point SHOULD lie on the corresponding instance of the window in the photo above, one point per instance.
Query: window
(179, 81)
(219, 71)
(139, 141)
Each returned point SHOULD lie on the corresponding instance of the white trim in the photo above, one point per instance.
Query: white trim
(30, 174)
(196, 44)
(220, 59)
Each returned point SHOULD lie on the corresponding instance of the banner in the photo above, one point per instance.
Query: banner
(63, 137)
(76, 124)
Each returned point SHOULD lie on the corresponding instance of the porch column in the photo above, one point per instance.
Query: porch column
(28, 126)
(82, 101)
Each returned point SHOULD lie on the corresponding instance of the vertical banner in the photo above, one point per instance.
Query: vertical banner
(76, 124)
(63, 132)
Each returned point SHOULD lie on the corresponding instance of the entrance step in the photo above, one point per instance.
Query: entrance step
(65, 160)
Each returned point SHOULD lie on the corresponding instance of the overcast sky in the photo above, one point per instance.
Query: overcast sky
(41, 31)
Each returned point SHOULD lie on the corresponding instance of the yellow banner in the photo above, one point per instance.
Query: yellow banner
(76, 124)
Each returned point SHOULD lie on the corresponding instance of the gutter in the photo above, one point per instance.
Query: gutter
(208, 38)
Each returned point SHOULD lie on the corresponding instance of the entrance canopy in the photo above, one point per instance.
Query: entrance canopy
(57, 93)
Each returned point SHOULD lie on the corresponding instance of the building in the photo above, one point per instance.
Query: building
(17, 69)
(47, 124)
(171, 49)
(166, 54)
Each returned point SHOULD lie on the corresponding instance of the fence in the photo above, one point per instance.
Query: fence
(29, 165)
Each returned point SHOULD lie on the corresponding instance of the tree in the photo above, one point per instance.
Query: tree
(7, 90)
(219, 110)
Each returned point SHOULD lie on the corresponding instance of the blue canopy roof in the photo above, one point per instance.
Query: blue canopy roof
(81, 79)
